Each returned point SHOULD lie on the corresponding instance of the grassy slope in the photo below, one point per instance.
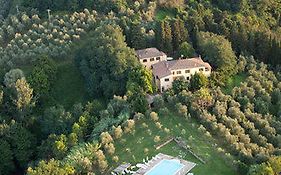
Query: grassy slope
(130, 148)
(233, 82)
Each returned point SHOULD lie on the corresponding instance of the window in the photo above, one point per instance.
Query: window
(206, 69)
(201, 69)
(145, 60)
(173, 73)
(187, 78)
(151, 59)
(157, 58)
(166, 79)
(178, 72)
(187, 71)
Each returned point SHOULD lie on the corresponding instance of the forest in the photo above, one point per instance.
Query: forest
(73, 93)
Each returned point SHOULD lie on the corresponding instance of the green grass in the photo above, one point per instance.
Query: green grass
(69, 88)
(162, 13)
(130, 148)
(234, 81)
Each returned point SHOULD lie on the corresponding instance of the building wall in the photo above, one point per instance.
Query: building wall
(163, 85)
(148, 62)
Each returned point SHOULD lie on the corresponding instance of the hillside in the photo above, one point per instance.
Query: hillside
(76, 97)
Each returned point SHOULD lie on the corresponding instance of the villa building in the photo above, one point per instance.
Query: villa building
(165, 72)
(150, 56)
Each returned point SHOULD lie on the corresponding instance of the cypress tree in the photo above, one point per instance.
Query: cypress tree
(180, 33)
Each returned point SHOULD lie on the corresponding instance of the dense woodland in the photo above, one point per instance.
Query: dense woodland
(41, 135)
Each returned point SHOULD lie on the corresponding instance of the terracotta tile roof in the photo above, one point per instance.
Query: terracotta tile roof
(149, 53)
(164, 68)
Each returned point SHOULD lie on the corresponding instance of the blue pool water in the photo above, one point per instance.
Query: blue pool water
(166, 167)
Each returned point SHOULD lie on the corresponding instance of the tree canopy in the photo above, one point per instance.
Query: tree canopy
(105, 61)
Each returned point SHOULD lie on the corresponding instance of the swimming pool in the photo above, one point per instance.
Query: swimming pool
(166, 167)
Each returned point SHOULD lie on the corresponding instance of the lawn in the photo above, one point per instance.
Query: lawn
(234, 81)
(69, 88)
(130, 148)
(162, 13)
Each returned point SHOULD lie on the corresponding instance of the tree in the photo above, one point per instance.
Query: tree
(139, 83)
(198, 81)
(24, 95)
(164, 36)
(52, 167)
(1, 97)
(171, 3)
(141, 77)
(118, 132)
(218, 51)
(202, 98)
(56, 120)
(262, 169)
(12, 76)
(6, 158)
(137, 36)
(22, 143)
(106, 138)
(180, 33)
(179, 85)
(105, 61)
(43, 76)
(186, 50)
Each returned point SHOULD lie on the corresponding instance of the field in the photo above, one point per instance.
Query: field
(130, 148)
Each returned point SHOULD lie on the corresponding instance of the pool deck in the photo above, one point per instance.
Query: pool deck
(188, 166)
